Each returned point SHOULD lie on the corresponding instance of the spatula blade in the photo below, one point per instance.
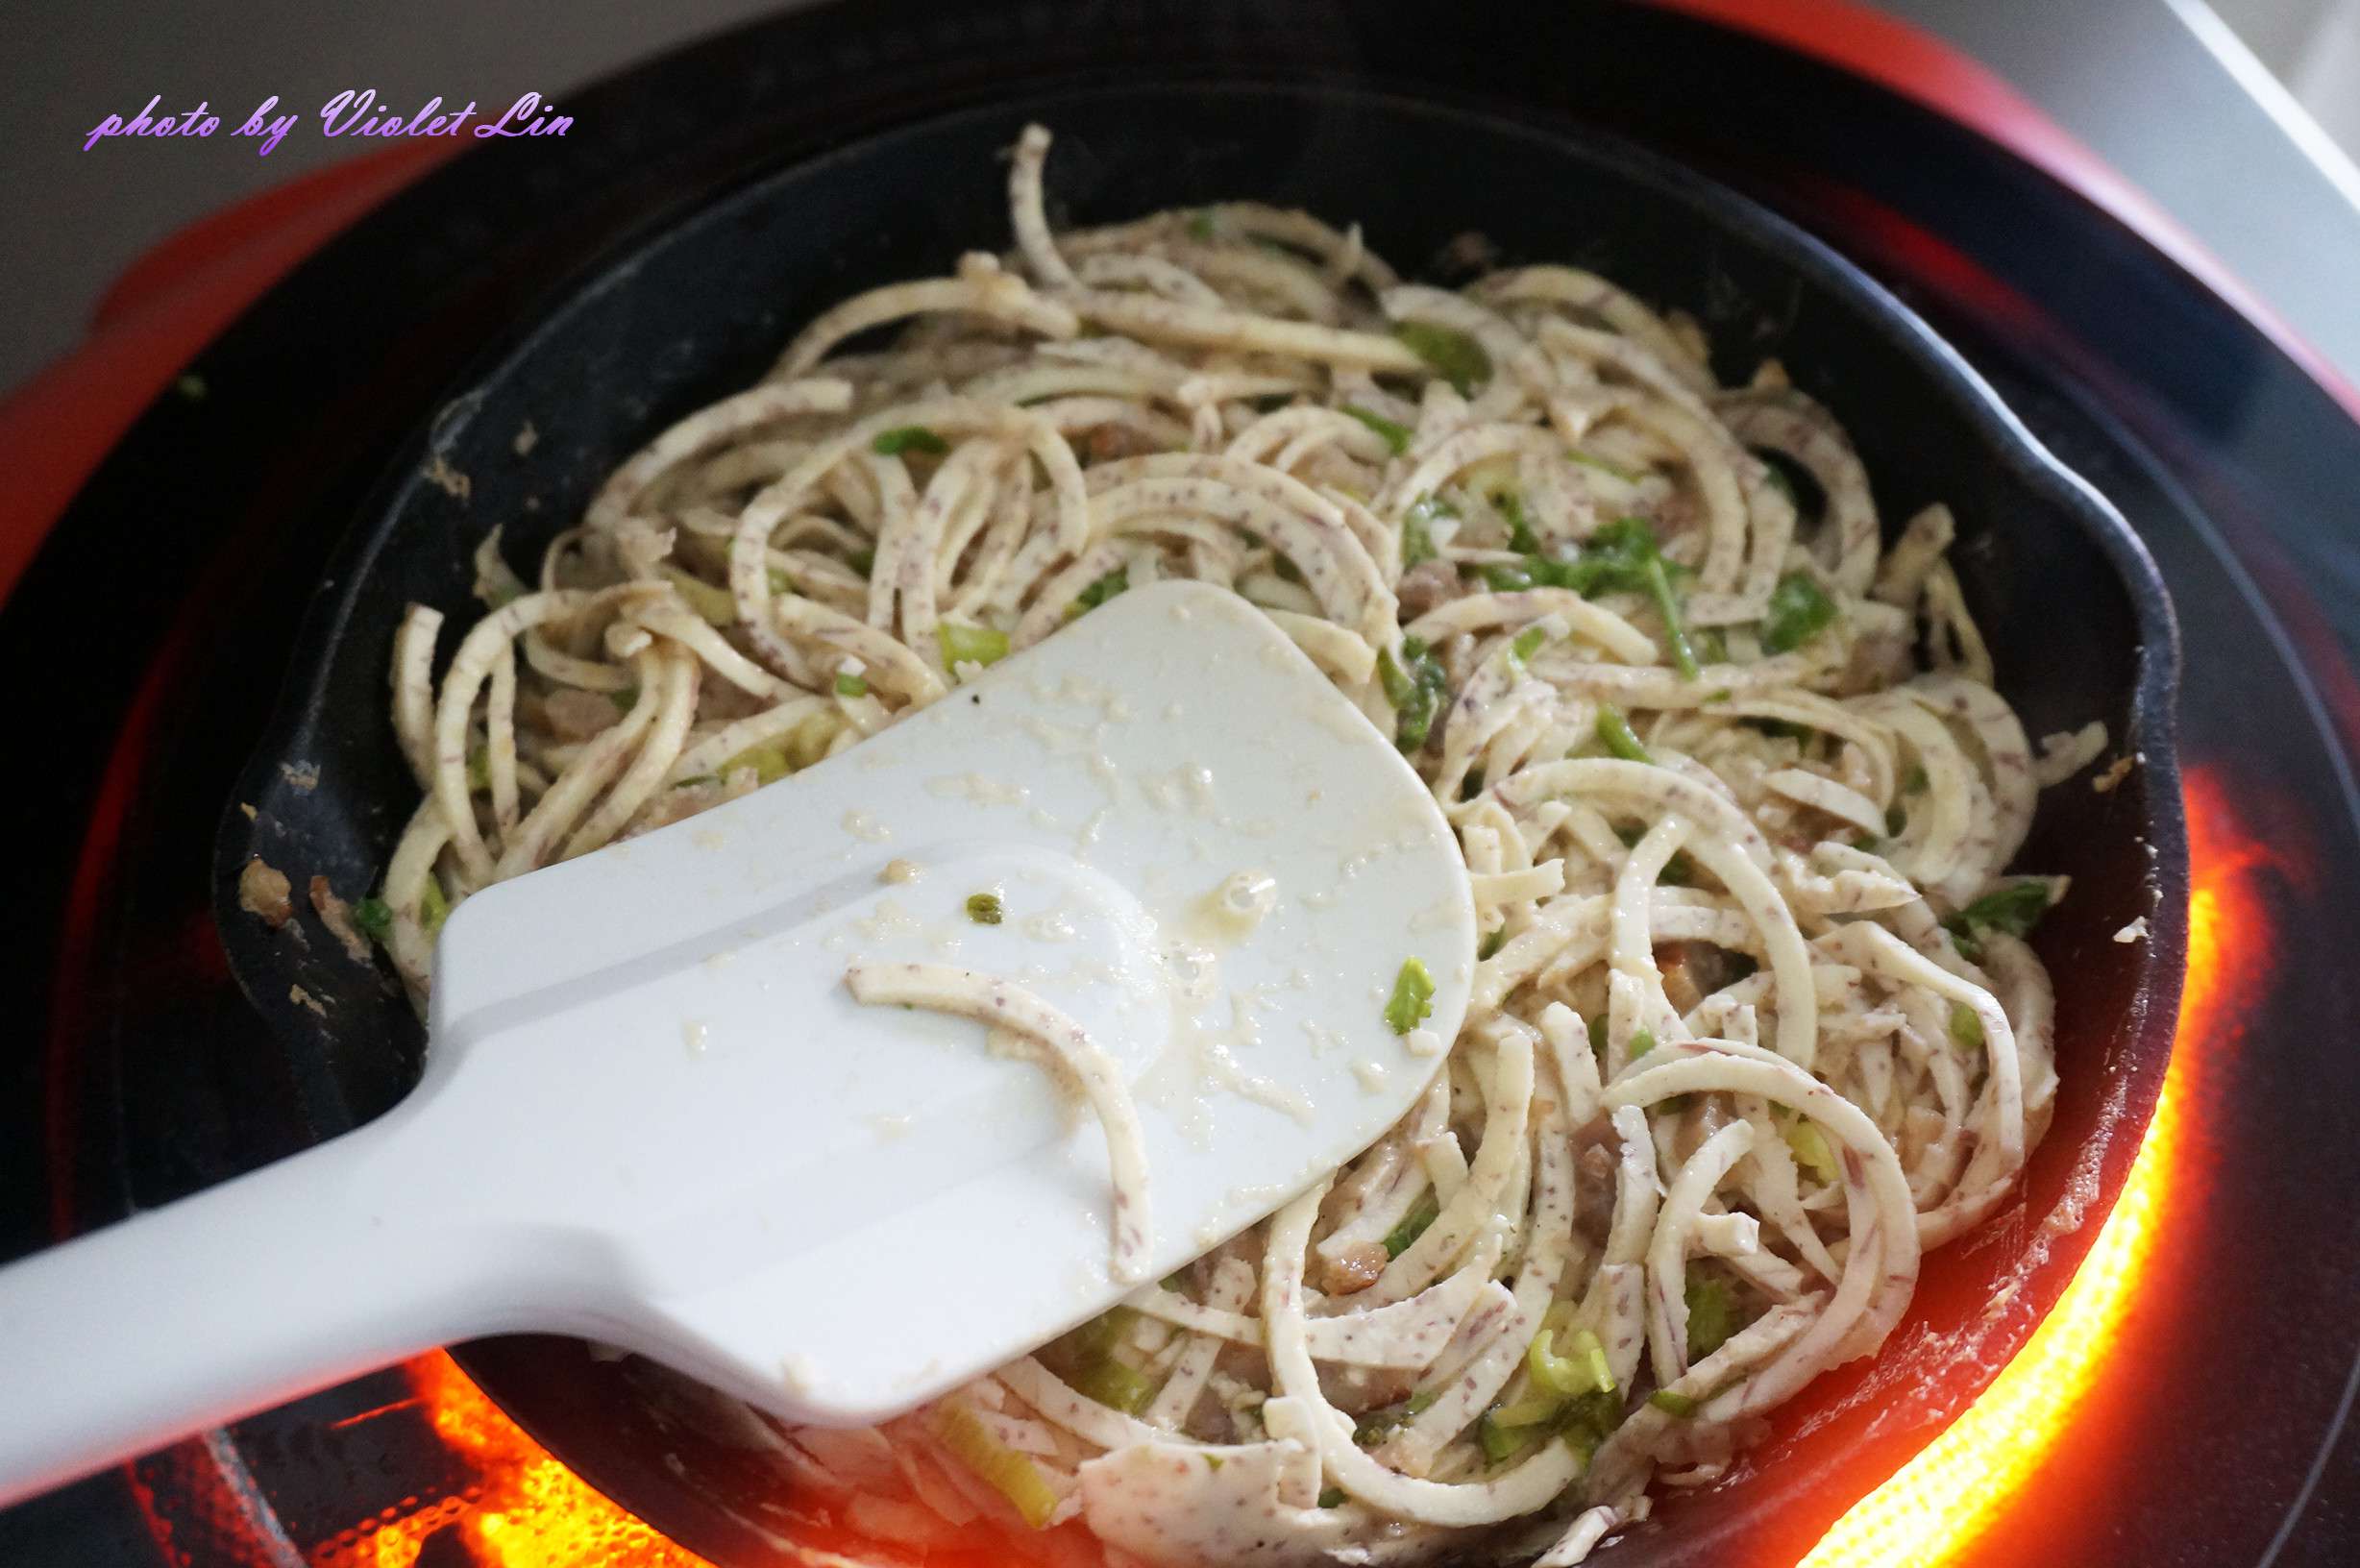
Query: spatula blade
(840, 1211)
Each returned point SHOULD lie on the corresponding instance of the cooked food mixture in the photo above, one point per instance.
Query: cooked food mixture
(1755, 1023)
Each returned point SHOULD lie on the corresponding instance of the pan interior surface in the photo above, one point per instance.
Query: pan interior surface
(2075, 616)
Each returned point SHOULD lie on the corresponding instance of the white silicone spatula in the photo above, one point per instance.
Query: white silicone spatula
(653, 1115)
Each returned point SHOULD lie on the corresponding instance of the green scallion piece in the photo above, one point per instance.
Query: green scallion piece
(903, 438)
(1528, 642)
(1455, 357)
(1200, 224)
(1615, 734)
(374, 917)
(1494, 941)
(1414, 683)
(1412, 997)
(1669, 1403)
(1115, 1384)
(984, 908)
(1395, 436)
(433, 908)
(1799, 610)
(1675, 630)
(1966, 1029)
(848, 684)
(1583, 1369)
(1809, 1148)
(1402, 1236)
(1116, 581)
(625, 699)
(768, 760)
(1712, 1314)
(1611, 470)
(969, 645)
(863, 561)
(1002, 1468)
(1417, 529)
(1642, 1041)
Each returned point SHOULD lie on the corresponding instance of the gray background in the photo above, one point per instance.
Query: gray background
(2160, 88)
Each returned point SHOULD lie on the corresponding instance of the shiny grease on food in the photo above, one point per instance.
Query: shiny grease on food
(1755, 1021)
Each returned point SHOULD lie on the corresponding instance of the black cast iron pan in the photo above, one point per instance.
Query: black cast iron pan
(2074, 609)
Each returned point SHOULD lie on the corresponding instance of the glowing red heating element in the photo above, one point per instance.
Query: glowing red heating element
(530, 1511)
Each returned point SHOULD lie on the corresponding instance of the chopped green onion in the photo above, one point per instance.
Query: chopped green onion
(1332, 1497)
(2015, 909)
(374, 917)
(625, 699)
(863, 561)
(1395, 436)
(1412, 997)
(1799, 610)
(1494, 941)
(1712, 1314)
(779, 581)
(1200, 224)
(1455, 357)
(1582, 1370)
(1809, 1146)
(1683, 1406)
(1098, 1337)
(1713, 646)
(984, 908)
(1376, 1426)
(1502, 1443)
(1913, 782)
(1675, 630)
(432, 907)
(1115, 1384)
(1418, 528)
(1404, 1236)
(1965, 1027)
(1506, 580)
(1414, 690)
(848, 684)
(1002, 1468)
(1116, 581)
(969, 645)
(1520, 536)
(712, 605)
(1611, 470)
(1597, 1035)
(1588, 1419)
(1614, 733)
(903, 438)
(1532, 1410)
(768, 760)
(1642, 1041)
(1895, 819)
(479, 769)
(1528, 642)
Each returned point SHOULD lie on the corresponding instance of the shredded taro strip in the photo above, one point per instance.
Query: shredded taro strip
(1753, 1024)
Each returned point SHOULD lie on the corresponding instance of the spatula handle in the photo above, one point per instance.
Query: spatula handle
(256, 1291)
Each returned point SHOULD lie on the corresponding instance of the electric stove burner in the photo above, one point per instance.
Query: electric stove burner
(2186, 1401)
